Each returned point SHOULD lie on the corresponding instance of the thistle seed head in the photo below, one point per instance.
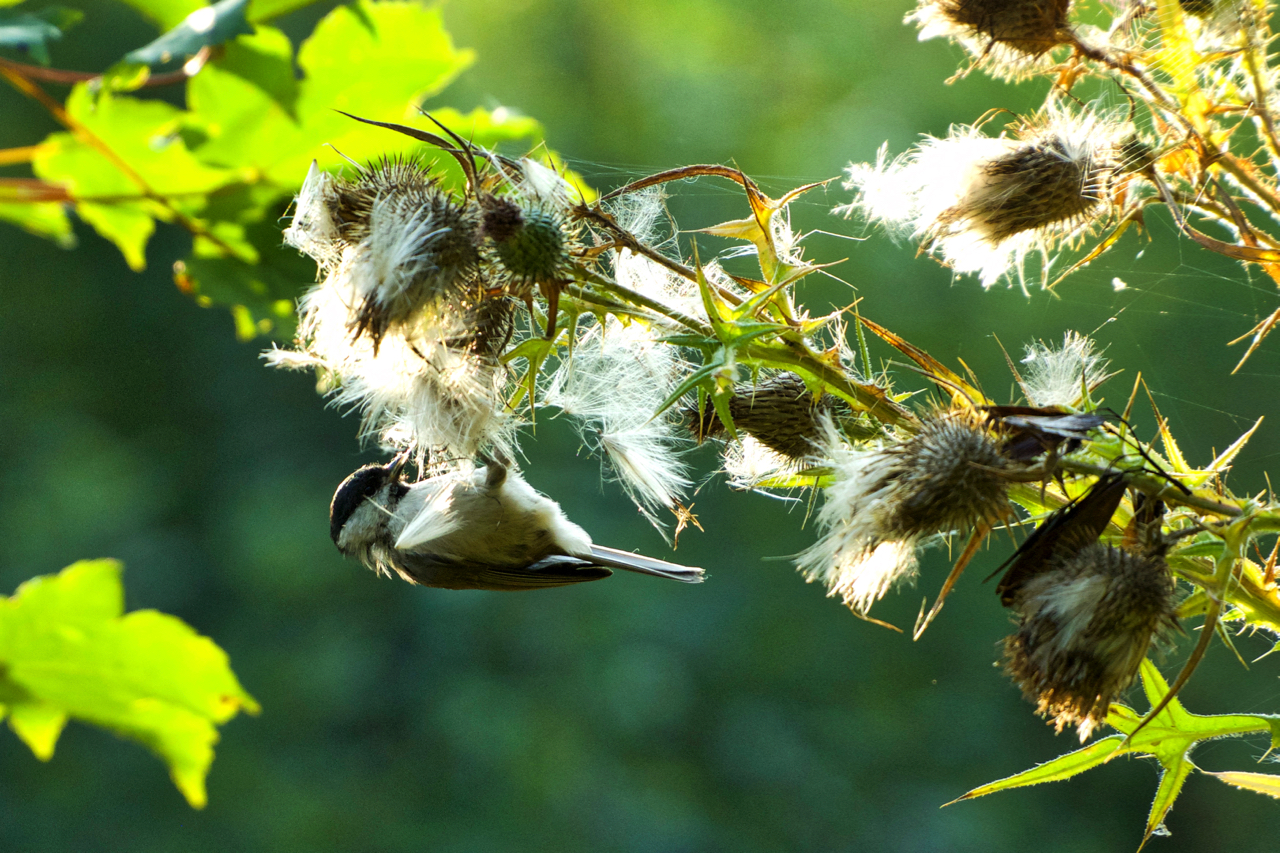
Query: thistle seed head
(1008, 34)
(883, 502)
(490, 323)
(778, 411)
(1084, 626)
(1051, 181)
(983, 204)
(948, 477)
(418, 254)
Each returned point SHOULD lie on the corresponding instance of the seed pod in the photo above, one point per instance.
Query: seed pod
(779, 411)
(1085, 625)
(1032, 27)
(419, 253)
(984, 204)
(490, 323)
(1045, 182)
(355, 199)
(1008, 35)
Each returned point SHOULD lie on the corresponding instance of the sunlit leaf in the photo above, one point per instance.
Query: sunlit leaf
(167, 14)
(44, 219)
(265, 10)
(371, 59)
(129, 225)
(38, 725)
(1262, 783)
(68, 650)
(149, 156)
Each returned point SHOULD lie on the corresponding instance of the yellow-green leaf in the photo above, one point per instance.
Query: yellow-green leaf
(66, 651)
(38, 725)
(1263, 783)
(44, 219)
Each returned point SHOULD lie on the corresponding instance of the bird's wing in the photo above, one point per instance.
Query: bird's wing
(556, 570)
(616, 559)
(436, 518)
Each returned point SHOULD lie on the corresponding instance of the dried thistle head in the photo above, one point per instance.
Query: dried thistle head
(419, 254)
(983, 204)
(1009, 35)
(392, 241)
(947, 476)
(778, 410)
(429, 386)
(1084, 626)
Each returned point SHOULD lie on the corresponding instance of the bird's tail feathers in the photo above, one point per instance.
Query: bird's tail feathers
(616, 559)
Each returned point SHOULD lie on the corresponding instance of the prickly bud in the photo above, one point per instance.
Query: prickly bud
(530, 242)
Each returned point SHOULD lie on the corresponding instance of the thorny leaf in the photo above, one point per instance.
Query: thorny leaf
(1223, 462)
(1169, 738)
(1262, 783)
(960, 390)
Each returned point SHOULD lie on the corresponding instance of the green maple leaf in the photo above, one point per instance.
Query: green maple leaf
(69, 651)
(1169, 738)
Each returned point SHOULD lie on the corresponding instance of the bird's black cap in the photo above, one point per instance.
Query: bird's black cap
(362, 484)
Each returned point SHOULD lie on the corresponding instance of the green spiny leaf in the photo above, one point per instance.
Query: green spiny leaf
(1062, 767)
(1262, 783)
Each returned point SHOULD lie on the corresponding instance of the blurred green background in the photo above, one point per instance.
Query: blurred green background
(747, 714)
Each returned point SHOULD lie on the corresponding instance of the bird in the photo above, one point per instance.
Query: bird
(481, 529)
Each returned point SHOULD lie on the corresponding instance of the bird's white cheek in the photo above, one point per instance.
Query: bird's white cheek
(364, 526)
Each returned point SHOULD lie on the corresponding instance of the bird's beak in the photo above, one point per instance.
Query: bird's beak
(397, 464)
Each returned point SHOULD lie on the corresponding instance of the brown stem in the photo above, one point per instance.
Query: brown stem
(684, 173)
(33, 91)
(69, 78)
(1231, 166)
